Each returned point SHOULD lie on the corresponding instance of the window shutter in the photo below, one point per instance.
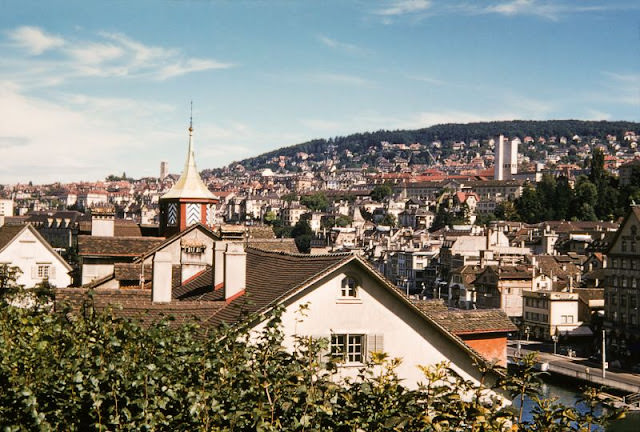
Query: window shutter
(375, 343)
(34, 272)
(52, 272)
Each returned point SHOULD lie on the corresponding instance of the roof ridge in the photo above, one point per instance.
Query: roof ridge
(298, 255)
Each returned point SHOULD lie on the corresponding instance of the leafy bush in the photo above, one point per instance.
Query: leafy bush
(68, 372)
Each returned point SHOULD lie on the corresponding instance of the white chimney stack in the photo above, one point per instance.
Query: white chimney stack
(161, 290)
(235, 271)
(218, 264)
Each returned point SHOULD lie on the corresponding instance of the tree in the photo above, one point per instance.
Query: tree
(529, 205)
(316, 202)
(270, 217)
(97, 372)
(506, 210)
(380, 192)
(563, 198)
(9, 278)
(389, 220)
(597, 172)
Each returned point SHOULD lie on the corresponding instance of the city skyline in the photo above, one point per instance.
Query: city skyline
(100, 88)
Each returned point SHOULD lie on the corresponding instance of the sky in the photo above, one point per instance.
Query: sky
(92, 88)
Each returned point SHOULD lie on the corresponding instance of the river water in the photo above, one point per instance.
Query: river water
(568, 393)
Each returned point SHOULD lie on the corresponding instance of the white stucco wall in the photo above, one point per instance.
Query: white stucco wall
(376, 312)
(27, 251)
(91, 272)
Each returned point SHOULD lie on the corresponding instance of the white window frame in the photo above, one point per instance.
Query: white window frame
(348, 348)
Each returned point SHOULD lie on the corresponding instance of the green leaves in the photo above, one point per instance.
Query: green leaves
(102, 373)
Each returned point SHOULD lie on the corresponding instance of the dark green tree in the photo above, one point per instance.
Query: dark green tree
(316, 202)
(389, 220)
(380, 192)
(529, 205)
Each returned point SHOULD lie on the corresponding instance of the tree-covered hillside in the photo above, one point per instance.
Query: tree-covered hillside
(360, 144)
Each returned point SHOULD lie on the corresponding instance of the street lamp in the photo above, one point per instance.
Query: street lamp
(554, 338)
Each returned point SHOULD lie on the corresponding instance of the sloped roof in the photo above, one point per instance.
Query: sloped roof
(137, 304)
(464, 322)
(8, 233)
(273, 275)
(198, 288)
(116, 246)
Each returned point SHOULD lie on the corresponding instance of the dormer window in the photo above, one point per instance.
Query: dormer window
(349, 288)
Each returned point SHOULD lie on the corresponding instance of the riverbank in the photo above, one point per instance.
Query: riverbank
(582, 370)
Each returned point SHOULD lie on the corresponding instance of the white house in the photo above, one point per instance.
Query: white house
(22, 246)
(345, 300)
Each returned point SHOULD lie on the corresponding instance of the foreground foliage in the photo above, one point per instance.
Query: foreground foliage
(65, 372)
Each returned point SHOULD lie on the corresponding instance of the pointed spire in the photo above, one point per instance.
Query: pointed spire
(190, 184)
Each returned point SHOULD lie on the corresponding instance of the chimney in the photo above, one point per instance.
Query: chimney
(218, 264)
(102, 222)
(161, 289)
(235, 271)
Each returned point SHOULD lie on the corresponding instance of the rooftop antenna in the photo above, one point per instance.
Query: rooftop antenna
(191, 118)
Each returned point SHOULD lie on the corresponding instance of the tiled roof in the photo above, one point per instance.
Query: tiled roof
(136, 304)
(274, 245)
(116, 246)
(129, 271)
(121, 228)
(462, 322)
(198, 288)
(273, 275)
(8, 233)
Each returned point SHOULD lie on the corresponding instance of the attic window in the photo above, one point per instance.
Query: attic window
(348, 288)
(199, 249)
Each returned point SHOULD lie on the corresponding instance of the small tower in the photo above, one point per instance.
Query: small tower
(189, 201)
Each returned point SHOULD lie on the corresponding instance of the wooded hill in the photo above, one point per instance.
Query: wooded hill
(359, 144)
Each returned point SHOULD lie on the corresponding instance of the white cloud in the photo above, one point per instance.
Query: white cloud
(78, 137)
(34, 40)
(188, 66)
(341, 46)
(341, 79)
(105, 55)
(403, 7)
(526, 7)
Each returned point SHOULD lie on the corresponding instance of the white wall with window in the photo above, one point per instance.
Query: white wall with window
(37, 261)
(358, 315)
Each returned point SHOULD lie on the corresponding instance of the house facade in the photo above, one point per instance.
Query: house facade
(22, 246)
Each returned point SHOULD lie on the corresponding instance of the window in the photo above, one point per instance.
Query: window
(348, 288)
(44, 271)
(348, 348)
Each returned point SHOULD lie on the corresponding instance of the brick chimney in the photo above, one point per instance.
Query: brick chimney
(219, 249)
(161, 289)
(235, 271)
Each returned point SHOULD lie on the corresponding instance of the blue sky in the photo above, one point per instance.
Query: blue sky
(89, 88)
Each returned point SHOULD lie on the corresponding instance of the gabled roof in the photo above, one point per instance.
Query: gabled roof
(10, 232)
(272, 276)
(178, 235)
(633, 212)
